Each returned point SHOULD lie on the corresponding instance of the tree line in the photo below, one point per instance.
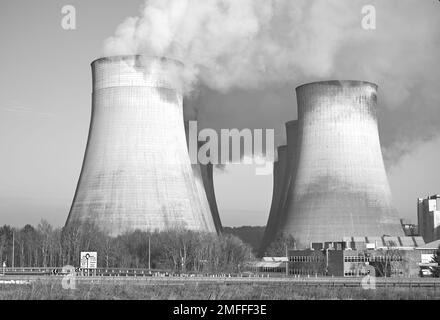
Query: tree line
(174, 250)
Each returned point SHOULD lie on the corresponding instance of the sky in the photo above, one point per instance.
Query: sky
(244, 63)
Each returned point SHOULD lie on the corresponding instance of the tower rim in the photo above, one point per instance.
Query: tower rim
(136, 56)
(291, 123)
(341, 83)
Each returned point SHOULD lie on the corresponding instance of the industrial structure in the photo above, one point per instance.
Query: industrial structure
(409, 229)
(339, 185)
(204, 176)
(207, 172)
(329, 181)
(279, 177)
(428, 216)
(291, 170)
(136, 172)
(356, 256)
(283, 174)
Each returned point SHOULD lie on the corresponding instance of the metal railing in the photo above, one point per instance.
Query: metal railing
(162, 275)
(80, 271)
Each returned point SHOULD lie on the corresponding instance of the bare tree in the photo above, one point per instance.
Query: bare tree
(45, 234)
(278, 246)
(387, 259)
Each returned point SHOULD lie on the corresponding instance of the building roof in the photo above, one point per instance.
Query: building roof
(419, 241)
(406, 221)
(385, 241)
(431, 245)
(391, 241)
(275, 259)
(375, 240)
(268, 264)
(407, 241)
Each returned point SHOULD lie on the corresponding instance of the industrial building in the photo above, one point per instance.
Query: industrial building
(268, 265)
(350, 257)
(354, 257)
(339, 186)
(428, 216)
(409, 229)
(136, 172)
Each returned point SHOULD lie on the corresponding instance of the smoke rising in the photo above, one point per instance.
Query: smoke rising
(240, 44)
(240, 47)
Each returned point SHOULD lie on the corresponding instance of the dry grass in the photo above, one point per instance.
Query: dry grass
(52, 290)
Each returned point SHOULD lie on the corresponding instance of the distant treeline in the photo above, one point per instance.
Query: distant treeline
(176, 250)
(252, 235)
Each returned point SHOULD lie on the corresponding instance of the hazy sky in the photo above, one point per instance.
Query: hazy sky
(45, 86)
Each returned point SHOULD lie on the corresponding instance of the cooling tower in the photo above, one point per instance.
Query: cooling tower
(290, 172)
(278, 196)
(340, 186)
(203, 175)
(284, 172)
(136, 172)
(208, 182)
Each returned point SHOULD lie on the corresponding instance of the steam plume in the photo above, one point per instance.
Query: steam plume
(253, 45)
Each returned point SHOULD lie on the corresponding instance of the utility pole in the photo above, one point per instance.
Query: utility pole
(13, 248)
(287, 262)
(326, 261)
(149, 254)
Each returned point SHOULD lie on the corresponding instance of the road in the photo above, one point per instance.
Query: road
(148, 280)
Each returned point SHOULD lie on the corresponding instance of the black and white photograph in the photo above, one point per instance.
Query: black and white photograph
(220, 155)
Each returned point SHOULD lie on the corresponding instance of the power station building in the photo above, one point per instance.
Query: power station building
(136, 172)
(428, 216)
(359, 256)
(339, 186)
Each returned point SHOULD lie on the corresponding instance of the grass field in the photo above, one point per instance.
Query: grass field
(52, 290)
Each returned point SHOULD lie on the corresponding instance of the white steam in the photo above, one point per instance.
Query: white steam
(240, 43)
(248, 47)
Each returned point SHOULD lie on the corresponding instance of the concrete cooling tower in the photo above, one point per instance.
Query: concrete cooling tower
(283, 173)
(207, 172)
(136, 172)
(291, 166)
(340, 186)
(279, 177)
(203, 175)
